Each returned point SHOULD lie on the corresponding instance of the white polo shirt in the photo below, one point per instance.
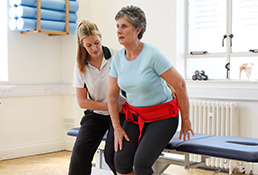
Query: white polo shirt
(95, 80)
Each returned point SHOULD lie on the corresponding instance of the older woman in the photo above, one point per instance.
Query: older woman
(142, 71)
(91, 82)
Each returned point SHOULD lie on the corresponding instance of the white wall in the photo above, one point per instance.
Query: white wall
(29, 122)
(35, 115)
(34, 58)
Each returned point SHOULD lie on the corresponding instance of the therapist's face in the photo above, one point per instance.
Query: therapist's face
(93, 45)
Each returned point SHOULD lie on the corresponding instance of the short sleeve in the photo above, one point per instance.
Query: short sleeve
(77, 78)
(160, 62)
(113, 71)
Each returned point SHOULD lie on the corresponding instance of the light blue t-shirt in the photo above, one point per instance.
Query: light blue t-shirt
(140, 77)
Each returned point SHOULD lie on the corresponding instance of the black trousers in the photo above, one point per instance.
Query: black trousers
(93, 127)
(155, 137)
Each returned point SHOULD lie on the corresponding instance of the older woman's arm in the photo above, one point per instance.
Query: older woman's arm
(114, 109)
(173, 78)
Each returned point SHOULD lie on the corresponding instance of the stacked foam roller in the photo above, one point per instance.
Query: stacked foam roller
(23, 14)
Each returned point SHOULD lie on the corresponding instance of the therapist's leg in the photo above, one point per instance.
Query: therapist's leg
(89, 137)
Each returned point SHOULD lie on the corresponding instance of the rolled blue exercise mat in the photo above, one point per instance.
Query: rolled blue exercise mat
(31, 25)
(12, 12)
(31, 12)
(13, 24)
(50, 4)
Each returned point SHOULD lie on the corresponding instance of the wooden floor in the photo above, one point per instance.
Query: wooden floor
(57, 164)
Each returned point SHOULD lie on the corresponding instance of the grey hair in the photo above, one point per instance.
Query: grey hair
(135, 15)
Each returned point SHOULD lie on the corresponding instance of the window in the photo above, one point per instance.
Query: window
(3, 44)
(223, 33)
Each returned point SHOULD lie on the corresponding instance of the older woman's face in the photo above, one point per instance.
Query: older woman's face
(125, 31)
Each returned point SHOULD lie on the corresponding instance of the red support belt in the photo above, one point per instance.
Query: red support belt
(140, 115)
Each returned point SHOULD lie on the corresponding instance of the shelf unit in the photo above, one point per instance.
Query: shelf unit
(50, 33)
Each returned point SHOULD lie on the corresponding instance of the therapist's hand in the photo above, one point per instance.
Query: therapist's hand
(119, 135)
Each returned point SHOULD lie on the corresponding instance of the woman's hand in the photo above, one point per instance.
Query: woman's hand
(119, 135)
(121, 105)
(186, 129)
(172, 90)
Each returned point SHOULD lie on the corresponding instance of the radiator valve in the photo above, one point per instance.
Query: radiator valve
(238, 170)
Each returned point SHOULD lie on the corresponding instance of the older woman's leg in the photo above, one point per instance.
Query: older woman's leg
(125, 157)
(155, 138)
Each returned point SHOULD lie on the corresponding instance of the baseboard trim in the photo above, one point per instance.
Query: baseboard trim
(68, 146)
(32, 149)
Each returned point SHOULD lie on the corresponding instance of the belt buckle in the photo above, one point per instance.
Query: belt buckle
(135, 117)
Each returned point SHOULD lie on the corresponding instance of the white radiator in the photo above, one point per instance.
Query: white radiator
(215, 118)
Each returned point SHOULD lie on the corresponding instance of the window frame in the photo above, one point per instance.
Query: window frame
(229, 55)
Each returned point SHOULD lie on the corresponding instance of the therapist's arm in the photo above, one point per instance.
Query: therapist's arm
(114, 108)
(85, 103)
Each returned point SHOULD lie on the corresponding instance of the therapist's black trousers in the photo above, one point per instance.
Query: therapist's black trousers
(155, 137)
(93, 127)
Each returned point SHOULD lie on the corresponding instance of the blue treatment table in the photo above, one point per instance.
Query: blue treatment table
(228, 147)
